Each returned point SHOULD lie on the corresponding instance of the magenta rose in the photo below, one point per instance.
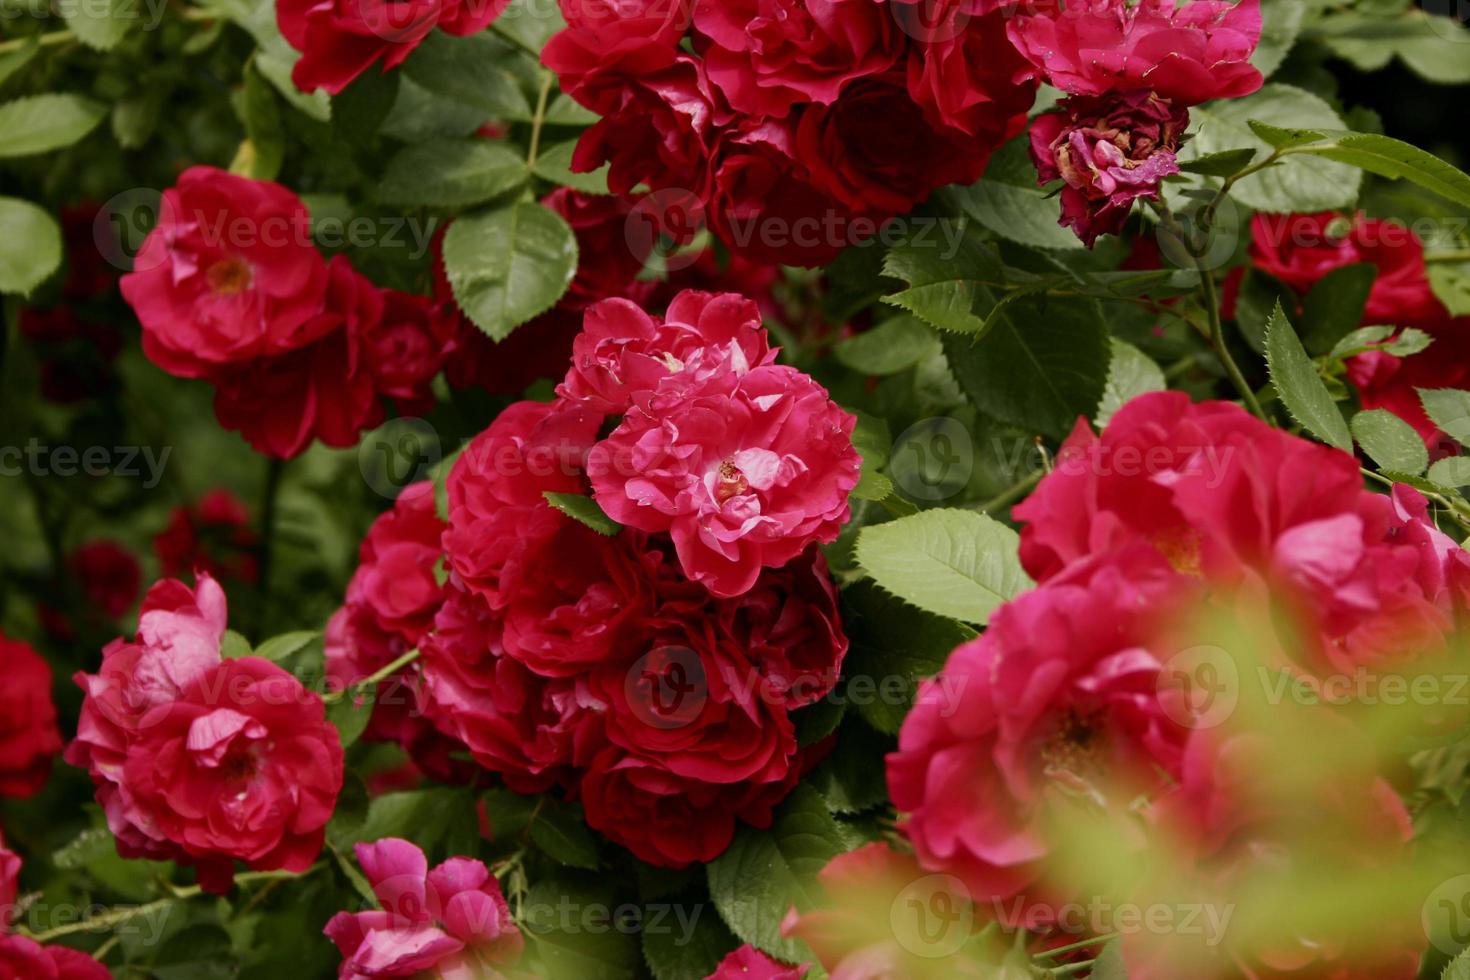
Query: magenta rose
(440, 924)
(1109, 152)
(1189, 52)
(29, 739)
(766, 56)
(228, 275)
(341, 39)
(622, 352)
(743, 471)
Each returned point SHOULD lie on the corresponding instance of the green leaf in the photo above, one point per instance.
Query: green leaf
(351, 713)
(441, 820)
(1281, 23)
(767, 872)
(680, 950)
(561, 831)
(287, 645)
(42, 123)
(1130, 374)
(570, 928)
(897, 644)
(1452, 472)
(847, 779)
(1458, 968)
(1301, 388)
(895, 345)
(13, 61)
(30, 246)
(135, 118)
(1222, 164)
(1109, 965)
(1010, 203)
(1297, 183)
(233, 646)
(358, 111)
(555, 164)
(99, 24)
(508, 813)
(1381, 155)
(509, 265)
(1043, 364)
(1432, 46)
(1334, 307)
(1449, 409)
(471, 71)
(1390, 442)
(584, 510)
(1452, 286)
(955, 563)
(261, 113)
(450, 173)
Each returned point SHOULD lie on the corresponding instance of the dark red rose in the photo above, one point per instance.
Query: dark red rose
(108, 576)
(405, 349)
(22, 958)
(608, 42)
(88, 273)
(29, 739)
(228, 275)
(322, 391)
(966, 75)
(75, 353)
(767, 56)
(1110, 152)
(1385, 381)
(609, 259)
(214, 535)
(341, 39)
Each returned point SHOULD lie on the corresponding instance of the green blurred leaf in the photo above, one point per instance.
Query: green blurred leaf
(30, 246)
(1301, 388)
(42, 123)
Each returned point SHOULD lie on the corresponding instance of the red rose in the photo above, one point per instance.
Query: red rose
(1188, 53)
(1385, 381)
(324, 391)
(404, 349)
(228, 275)
(341, 39)
(75, 354)
(203, 760)
(28, 735)
(214, 535)
(528, 728)
(873, 152)
(768, 55)
(608, 42)
(966, 75)
(22, 958)
(749, 963)
(89, 275)
(1110, 152)
(108, 574)
(1299, 249)
(608, 264)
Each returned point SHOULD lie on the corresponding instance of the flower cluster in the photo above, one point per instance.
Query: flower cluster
(230, 288)
(822, 117)
(1298, 250)
(451, 921)
(200, 759)
(29, 739)
(1066, 697)
(649, 673)
(1130, 71)
(22, 958)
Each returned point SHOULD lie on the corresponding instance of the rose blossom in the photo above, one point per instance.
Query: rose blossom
(22, 958)
(768, 55)
(965, 73)
(749, 963)
(441, 924)
(622, 352)
(1110, 152)
(1188, 52)
(213, 535)
(228, 275)
(1056, 699)
(1386, 381)
(341, 39)
(201, 760)
(29, 739)
(744, 471)
(608, 42)
(404, 350)
(107, 576)
(390, 606)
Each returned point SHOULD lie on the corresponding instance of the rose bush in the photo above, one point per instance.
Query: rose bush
(694, 489)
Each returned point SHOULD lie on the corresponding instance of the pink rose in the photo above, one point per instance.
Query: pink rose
(767, 55)
(440, 924)
(749, 963)
(22, 958)
(1110, 152)
(1188, 52)
(228, 275)
(622, 352)
(744, 471)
